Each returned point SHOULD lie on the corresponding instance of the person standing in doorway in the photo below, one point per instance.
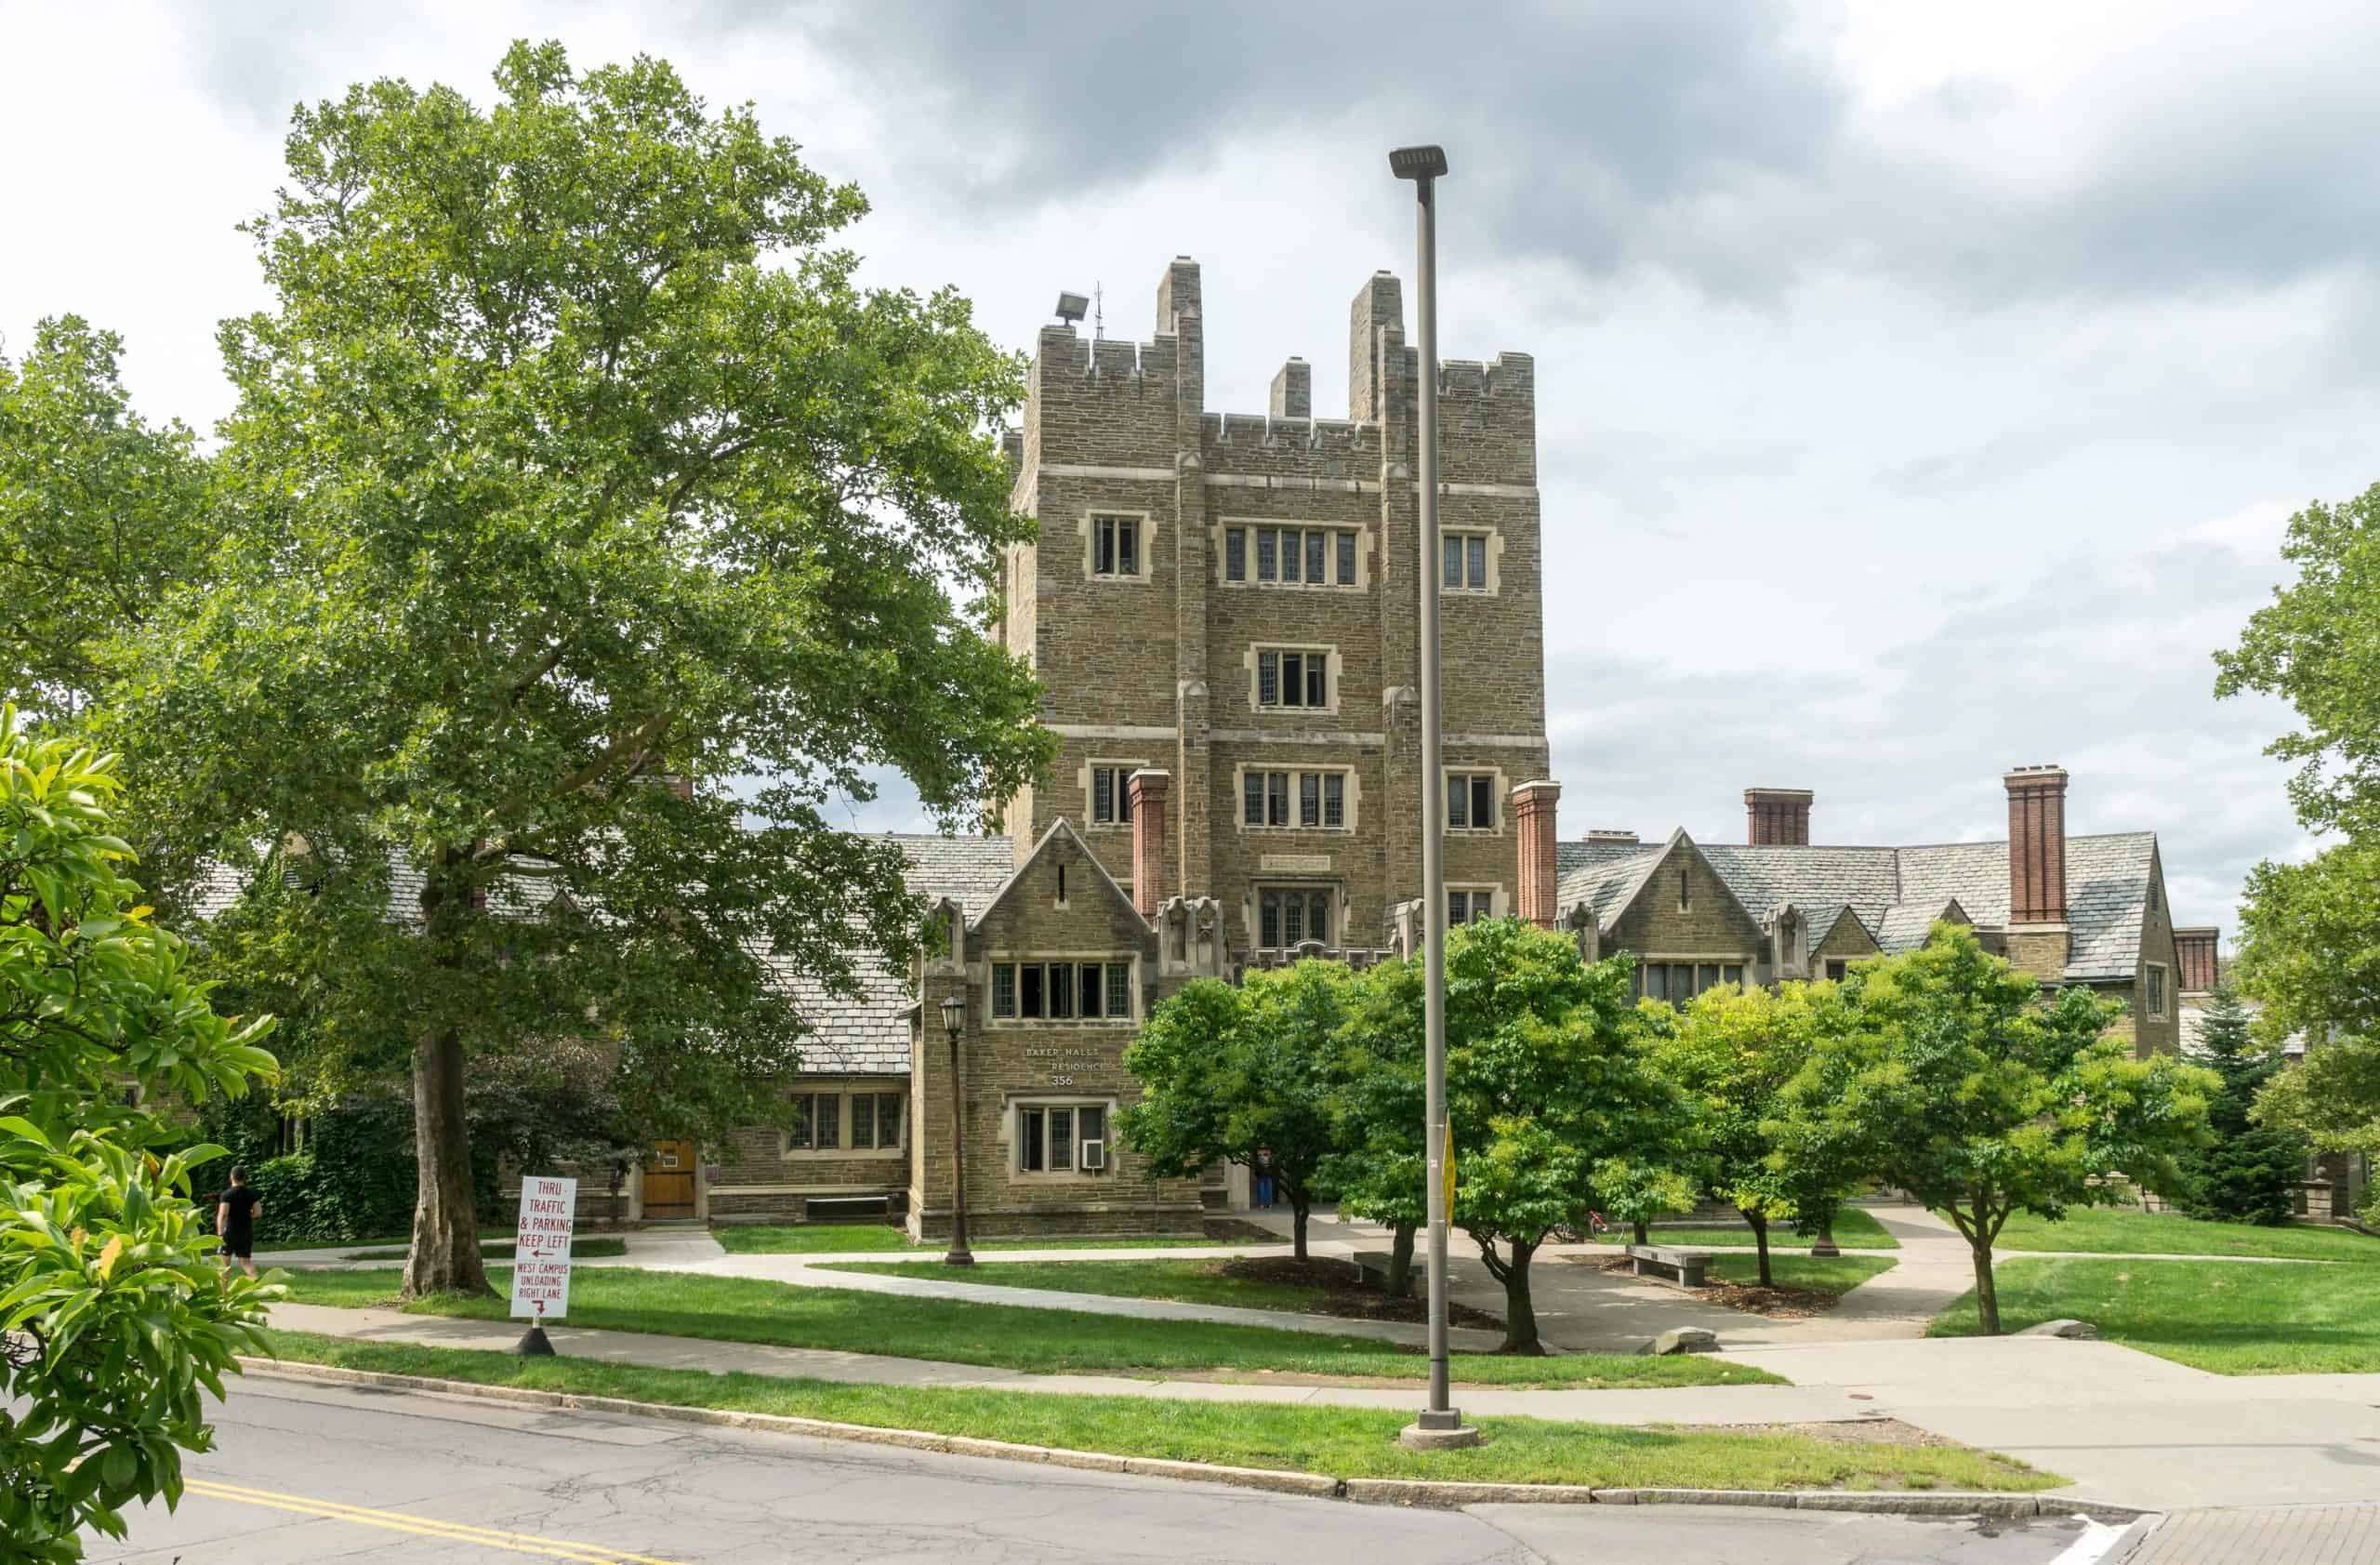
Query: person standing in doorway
(1265, 1177)
(235, 1215)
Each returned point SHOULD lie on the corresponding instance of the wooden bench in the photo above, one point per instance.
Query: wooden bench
(1669, 1263)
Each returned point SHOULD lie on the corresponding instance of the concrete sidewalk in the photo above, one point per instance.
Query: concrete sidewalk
(2129, 1429)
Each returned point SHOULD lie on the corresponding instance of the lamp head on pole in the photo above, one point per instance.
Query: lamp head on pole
(1417, 163)
(953, 1016)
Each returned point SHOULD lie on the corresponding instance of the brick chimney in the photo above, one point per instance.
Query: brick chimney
(1776, 815)
(2200, 952)
(2039, 940)
(1293, 390)
(1533, 813)
(1147, 791)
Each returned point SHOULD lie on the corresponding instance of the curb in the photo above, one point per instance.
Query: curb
(1423, 1494)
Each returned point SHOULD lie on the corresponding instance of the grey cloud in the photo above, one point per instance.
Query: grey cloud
(1712, 143)
(2101, 665)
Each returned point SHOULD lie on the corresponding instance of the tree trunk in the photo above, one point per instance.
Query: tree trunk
(1296, 1222)
(1986, 1300)
(1520, 1315)
(1401, 1261)
(1759, 1221)
(1641, 1231)
(445, 1252)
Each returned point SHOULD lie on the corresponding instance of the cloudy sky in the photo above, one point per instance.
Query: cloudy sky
(1922, 389)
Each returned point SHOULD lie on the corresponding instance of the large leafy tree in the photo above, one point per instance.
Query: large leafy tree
(1551, 1093)
(1732, 1050)
(2311, 931)
(101, 514)
(1227, 1071)
(1981, 1100)
(573, 474)
(117, 1318)
(2330, 1097)
(2250, 1171)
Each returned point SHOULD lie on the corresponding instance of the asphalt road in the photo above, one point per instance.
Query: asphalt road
(305, 1472)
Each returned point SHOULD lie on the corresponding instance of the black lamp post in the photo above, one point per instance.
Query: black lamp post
(954, 1022)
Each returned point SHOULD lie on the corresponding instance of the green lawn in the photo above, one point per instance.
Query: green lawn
(2128, 1231)
(580, 1250)
(1853, 1231)
(1342, 1442)
(1055, 1341)
(1186, 1281)
(2232, 1317)
(831, 1238)
(1837, 1275)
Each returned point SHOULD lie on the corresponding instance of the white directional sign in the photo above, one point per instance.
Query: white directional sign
(541, 1248)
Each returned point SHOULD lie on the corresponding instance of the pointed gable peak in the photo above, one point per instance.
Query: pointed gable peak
(1064, 840)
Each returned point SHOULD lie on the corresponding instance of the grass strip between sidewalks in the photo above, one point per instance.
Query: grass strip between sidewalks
(1344, 1442)
(1041, 1341)
(1853, 1229)
(836, 1239)
(2119, 1231)
(2223, 1316)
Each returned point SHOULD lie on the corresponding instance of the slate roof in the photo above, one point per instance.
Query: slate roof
(1897, 893)
(862, 1035)
(868, 1035)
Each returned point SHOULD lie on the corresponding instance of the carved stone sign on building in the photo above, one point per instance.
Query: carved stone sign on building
(1293, 863)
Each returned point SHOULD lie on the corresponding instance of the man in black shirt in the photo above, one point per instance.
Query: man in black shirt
(235, 1212)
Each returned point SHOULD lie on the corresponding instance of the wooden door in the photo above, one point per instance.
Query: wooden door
(669, 1180)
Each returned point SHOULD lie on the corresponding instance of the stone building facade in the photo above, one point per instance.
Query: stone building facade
(1223, 610)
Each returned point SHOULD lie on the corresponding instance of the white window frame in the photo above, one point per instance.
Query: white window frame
(1338, 538)
(1491, 560)
(1333, 900)
(1121, 817)
(1074, 961)
(1279, 650)
(1019, 1108)
(1143, 543)
(1474, 893)
(1465, 775)
(1293, 797)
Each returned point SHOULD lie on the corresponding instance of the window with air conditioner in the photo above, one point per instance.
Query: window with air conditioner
(1061, 1137)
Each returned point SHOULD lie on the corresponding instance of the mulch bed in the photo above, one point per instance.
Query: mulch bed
(1340, 1289)
(1777, 1303)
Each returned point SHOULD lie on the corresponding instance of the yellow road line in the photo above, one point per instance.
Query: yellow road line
(398, 1522)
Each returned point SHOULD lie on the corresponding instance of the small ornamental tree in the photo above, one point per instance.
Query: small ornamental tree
(1551, 1093)
(1226, 1071)
(1732, 1050)
(2250, 1171)
(1378, 1168)
(118, 1320)
(1981, 1100)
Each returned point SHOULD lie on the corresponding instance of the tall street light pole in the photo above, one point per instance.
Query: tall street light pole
(954, 1022)
(1440, 1425)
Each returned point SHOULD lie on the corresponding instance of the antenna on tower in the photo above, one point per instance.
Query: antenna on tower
(1098, 317)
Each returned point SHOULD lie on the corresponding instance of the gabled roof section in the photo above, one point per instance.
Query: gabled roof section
(1060, 824)
(1897, 892)
(1824, 921)
(1906, 924)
